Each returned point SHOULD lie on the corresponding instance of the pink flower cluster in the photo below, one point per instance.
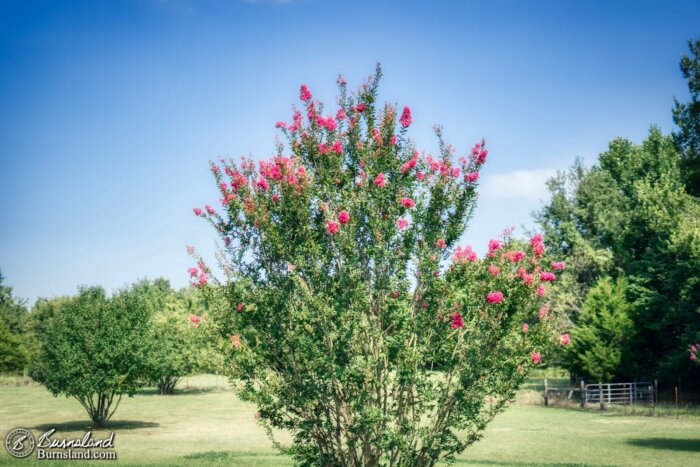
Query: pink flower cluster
(406, 118)
(694, 349)
(457, 321)
(305, 94)
(537, 245)
(328, 123)
(198, 275)
(536, 357)
(462, 255)
(407, 202)
(565, 339)
(494, 297)
(479, 153)
(194, 319)
(380, 180)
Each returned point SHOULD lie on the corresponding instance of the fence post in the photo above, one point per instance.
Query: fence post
(600, 395)
(676, 390)
(634, 392)
(546, 393)
(656, 391)
(583, 394)
(652, 391)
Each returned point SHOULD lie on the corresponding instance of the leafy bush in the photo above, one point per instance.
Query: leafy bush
(92, 347)
(344, 290)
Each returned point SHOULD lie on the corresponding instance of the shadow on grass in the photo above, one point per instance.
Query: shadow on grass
(180, 392)
(85, 425)
(525, 464)
(671, 444)
(219, 456)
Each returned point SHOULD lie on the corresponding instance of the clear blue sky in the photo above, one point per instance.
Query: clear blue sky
(110, 111)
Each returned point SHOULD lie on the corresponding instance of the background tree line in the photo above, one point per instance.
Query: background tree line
(629, 228)
(96, 348)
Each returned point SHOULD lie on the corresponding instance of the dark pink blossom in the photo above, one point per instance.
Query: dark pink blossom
(457, 321)
(197, 211)
(440, 243)
(406, 118)
(558, 265)
(565, 339)
(548, 276)
(536, 357)
(407, 202)
(305, 94)
(494, 297)
(380, 180)
(343, 217)
(402, 223)
(333, 227)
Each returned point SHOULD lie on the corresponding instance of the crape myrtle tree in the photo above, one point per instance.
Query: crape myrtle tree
(91, 348)
(352, 318)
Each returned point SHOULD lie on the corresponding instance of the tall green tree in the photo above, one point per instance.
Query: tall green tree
(631, 209)
(600, 345)
(14, 335)
(687, 117)
(92, 347)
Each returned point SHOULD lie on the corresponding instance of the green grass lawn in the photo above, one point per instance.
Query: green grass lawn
(205, 424)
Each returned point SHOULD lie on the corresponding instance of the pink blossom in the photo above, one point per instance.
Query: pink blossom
(340, 115)
(402, 223)
(547, 276)
(192, 271)
(323, 148)
(305, 94)
(333, 227)
(420, 175)
(203, 279)
(337, 147)
(538, 250)
(408, 165)
(457, 321)
(197, 211)
(262, 184)
(525, 327)
(190, 250)
(360, 107)
(495, 296)
(543, 311)
(194, 319)
(693, 357)
(209, 209)
(471, 177)
(440, 243)
(494, 245)
(392, 140)
(528, 278)
(275, 197)
(281, 124)
(462, 255)
(239, 307)
(558, 265)
(565, 339)
(380, 180)
(494, 270)
(541, 290)
(406, 118)
(515, 256)
(227, 241)
(344, 217)
(536, 357)
(407, 202)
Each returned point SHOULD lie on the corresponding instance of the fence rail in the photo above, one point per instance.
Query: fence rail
(637, 392)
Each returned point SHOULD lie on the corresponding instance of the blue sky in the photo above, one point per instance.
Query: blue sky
(110, 111)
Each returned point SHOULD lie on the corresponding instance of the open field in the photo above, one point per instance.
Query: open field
(206, 425)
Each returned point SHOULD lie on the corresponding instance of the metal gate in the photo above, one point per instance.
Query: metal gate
(620, 393)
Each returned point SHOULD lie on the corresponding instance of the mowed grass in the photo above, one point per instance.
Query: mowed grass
(205, 424)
